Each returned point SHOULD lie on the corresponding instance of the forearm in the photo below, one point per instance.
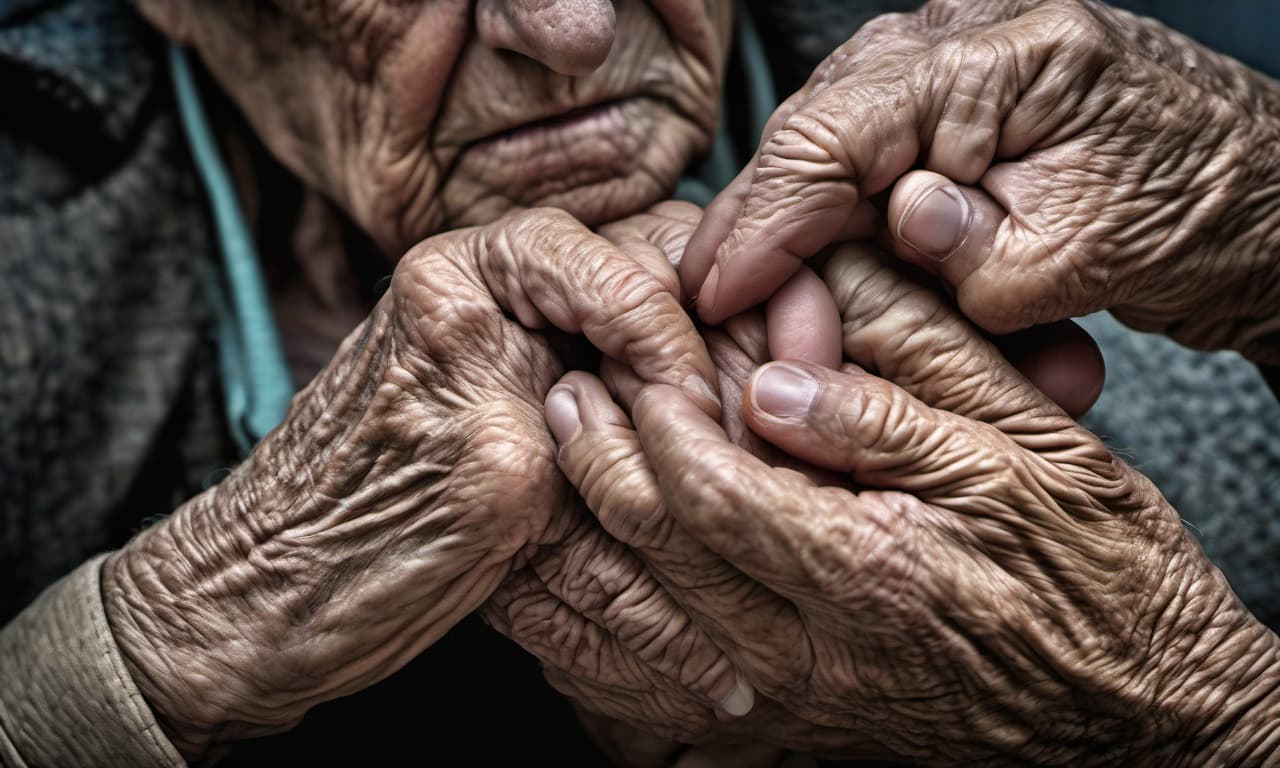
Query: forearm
(67, 697)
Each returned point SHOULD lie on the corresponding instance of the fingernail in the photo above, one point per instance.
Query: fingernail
(562, 415)
(936, 225)
(784, 391)
(707, 294)
(740, 700)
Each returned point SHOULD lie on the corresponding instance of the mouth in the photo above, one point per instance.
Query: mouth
(551, 125)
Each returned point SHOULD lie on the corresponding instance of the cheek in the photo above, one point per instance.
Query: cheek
(701, 26)
(417, 73)
(390, 176)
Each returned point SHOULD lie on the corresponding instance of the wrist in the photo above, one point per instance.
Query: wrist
(192, 656)
(1216, 674)
(1245, 728)
(1255, 243)
(148, 649)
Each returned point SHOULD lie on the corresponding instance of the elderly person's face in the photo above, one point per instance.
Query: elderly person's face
(419, 115)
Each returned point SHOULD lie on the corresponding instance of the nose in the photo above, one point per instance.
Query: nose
(572, 37)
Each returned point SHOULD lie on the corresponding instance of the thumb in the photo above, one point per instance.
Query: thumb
(849, 422)
(1005, 275)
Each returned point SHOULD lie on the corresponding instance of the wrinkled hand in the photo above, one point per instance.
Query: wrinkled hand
(1076, 158)
(580, 658)
(1003, 590)
(404, 485)
(647, 686)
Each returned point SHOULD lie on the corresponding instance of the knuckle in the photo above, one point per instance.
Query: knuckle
(412, 275)
(542, 220)
(511, 479)
(807, 140)
(714, 488)
(628, 285)
(620, 488)
(1070, 25)
(884, 26)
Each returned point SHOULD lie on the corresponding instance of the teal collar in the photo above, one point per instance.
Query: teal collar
(256, 382)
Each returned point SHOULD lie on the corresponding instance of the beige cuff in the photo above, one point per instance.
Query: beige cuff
(66, 697)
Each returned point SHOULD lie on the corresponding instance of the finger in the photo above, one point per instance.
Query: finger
(623, 384)
(856, 137)
(911, 336)
(762, 520)
(585, 663)
(737, 348)
(1007, 271)
(722, 214)
(717, 222)
(870, 428)
(652, 258)
(964, 235)
(804, 323)
(1061, 360)
(601, 579)
(525, 610)
(873, 423)
(580, 283)
(810, 178)
(604, 459)
(667, 225)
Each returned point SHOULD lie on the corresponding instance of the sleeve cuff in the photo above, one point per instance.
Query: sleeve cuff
(66, 697)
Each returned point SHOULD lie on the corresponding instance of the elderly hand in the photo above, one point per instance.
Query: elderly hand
(612, 587)
(621, 683)
(579, 658)
(1004, 589)
(1076, 158)
(406, 482)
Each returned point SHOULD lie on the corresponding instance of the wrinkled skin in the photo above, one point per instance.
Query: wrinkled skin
(530, 606)
(415, 472)
(612, 679)
(406, 483)
(985, 584)
(394, 109)
(1089, 159)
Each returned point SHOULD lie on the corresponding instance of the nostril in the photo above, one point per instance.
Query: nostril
(571, 37)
